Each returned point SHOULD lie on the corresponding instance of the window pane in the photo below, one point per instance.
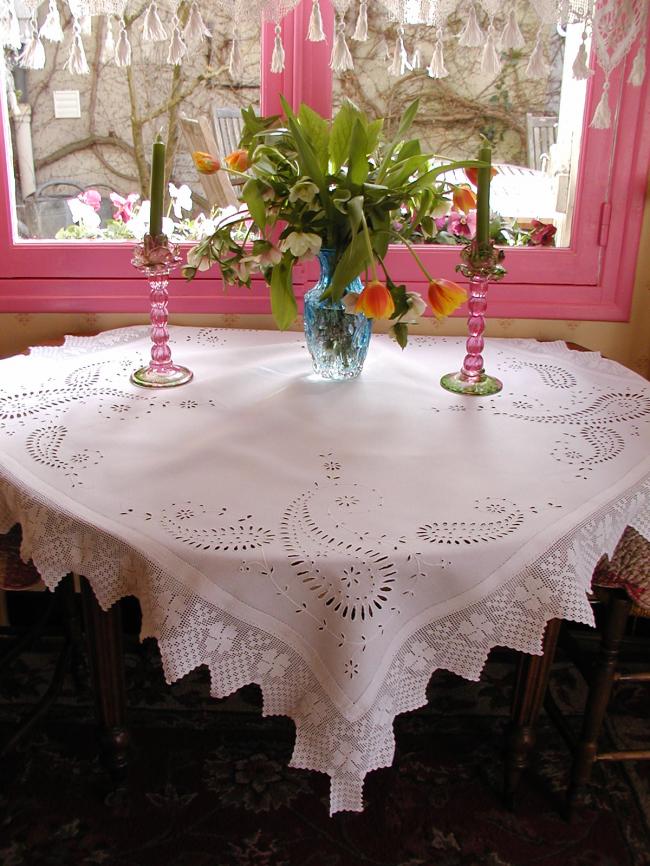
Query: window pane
(71, 133)
(532, 118)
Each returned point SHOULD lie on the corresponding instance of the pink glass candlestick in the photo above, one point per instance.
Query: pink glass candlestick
(480, 263)
(157, 259)
(472, 378)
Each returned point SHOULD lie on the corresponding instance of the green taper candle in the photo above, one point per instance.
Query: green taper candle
(157, 187)
(483, 196)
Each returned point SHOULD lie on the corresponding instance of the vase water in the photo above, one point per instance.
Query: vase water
(337, 340)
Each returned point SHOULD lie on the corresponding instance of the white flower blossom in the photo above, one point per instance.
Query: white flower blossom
(204, 227)
(181, 197)
(302, 245)
(416, 303)
(304, 190)
(83, 214)
(139, 222)
(197, 259)
(270, 257)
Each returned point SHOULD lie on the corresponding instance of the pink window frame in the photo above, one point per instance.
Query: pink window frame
(590, 280)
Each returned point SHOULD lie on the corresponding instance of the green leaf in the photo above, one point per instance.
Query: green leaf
(380, 232)
(354, 260)
(309, 166)
(407, 119)
(399, 172)
(355, 212)
(252, 195)
(283, 301)
(426, 180)
(404, 126)
(316, 129)
(341, 133)
(401, 332)
(408, 149)
(359, 166)
(374, 130)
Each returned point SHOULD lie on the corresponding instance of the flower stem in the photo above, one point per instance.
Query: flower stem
(417, 258)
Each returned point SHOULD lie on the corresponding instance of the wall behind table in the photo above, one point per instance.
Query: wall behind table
(628, 342)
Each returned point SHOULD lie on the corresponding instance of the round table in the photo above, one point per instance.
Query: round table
(334, 542)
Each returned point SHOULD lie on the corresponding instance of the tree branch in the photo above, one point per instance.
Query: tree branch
(81, 144)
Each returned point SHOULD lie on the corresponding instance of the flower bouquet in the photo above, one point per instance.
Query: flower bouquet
(334, 189)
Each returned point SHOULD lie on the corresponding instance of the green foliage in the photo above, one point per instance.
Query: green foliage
(336, 184)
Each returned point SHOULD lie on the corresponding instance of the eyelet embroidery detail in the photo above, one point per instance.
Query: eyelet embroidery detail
(44, 445)
(474, 532)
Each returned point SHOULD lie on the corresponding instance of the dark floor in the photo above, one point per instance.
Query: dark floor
(209, 783)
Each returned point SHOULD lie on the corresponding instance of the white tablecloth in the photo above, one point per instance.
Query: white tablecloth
(335, 542)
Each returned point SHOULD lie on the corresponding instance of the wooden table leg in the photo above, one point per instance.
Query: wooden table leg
(104, 638)
(530, 687)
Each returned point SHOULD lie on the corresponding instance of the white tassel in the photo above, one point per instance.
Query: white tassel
(580, 68)
(602, 118)
(10, 27)
(361, 30)
(637, 73)
(341, 59)
(108, 48)
(315, 32)
(33, 54)
(177, 48)
(416, 59)
(235, 61)
(86, 25)
(511, 37)
(277, 60)
(436, 69)
(123, 47)
(76, 63)
(471, 36)
(537, 65)
(400, 62)
(153, 29)
(195, 30)
(51, 29)
(490, 62)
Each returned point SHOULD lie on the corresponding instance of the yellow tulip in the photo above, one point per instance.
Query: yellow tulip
(445, 297)
(375, 301)
(205, 163)
(464, 199)
(238, 160)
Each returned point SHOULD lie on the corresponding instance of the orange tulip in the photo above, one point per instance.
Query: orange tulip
(472, 174)
(238, 160)
(205, 163)
(464, 199)
(445, 297)
(375, 301)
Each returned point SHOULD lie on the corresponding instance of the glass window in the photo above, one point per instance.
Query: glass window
(532, 117)
(75, 133)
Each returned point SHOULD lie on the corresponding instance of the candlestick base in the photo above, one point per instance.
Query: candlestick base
(475, 386)
(169, 377)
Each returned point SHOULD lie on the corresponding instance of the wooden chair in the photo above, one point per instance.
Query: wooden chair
(17, 576)
(541, 134)
(199, 135)
(228, 125)
(618, 585)
(615, 582)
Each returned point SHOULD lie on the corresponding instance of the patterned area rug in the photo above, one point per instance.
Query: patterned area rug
(209, 783)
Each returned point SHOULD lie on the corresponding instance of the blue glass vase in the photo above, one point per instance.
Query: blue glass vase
(337, 341)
